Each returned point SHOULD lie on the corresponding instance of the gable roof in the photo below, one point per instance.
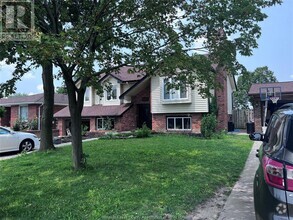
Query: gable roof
(136, 87)
(59, 99)
(286, 87)
(123, 75)
(96, 111)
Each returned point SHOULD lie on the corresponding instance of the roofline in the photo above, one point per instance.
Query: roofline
(113, 75)
(132, 87)
(28, 103)
(96, 115)
(253, 94)
(272, 82)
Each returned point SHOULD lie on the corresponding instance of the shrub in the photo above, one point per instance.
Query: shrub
(21, 125)
(143, 132)
(108, 124)
(208, 125)
(32, 124)
(214, 106)
(17, 125)
(84, 130)
(2, 111)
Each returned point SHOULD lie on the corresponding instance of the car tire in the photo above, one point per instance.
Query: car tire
(26, 145)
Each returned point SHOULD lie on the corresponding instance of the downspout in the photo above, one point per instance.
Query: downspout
(39, 117)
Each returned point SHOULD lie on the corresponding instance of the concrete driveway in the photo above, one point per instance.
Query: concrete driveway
(239, 205)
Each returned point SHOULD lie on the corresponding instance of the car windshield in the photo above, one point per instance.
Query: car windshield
(5, 128)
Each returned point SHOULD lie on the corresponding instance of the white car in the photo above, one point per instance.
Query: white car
(17, 141)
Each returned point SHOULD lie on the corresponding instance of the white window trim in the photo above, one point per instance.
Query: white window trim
(103, 126)
(173, 100)
(175, 129)
(111, 99)
(19, 116)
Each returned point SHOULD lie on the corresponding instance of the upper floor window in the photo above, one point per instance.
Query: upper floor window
(174, 93)
(23, 113)
(111, 94)
(87, 95)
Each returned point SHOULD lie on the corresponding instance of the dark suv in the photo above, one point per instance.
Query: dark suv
(273, 182)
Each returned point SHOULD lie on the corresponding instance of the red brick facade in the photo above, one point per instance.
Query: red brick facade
(257, 116)
(222, 102)
(159, 122)
(61, 126)
(33, 112)
(5, 120)
(128, 121)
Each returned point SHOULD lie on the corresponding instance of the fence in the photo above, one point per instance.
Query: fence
(241, 116)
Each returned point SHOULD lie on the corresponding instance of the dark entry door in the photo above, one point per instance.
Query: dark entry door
(144, 115)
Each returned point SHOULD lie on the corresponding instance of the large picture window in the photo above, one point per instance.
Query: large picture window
(173, 94)
(23, 113)
(178, 123)
(112, 93)
(105, 123)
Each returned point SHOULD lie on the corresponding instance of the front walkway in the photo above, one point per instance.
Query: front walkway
(239, 205)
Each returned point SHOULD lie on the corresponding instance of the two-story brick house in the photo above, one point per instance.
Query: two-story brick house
(136, 99)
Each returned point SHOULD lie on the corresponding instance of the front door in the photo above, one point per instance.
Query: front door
(144, 115)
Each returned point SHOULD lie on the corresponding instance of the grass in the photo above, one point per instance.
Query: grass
(125, 179)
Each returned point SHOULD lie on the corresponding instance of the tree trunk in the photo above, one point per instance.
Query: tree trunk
(48, 107)
(75, 107)
(77, 153)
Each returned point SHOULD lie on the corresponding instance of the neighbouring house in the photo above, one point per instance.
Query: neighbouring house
(135, 99)
(27, 108)
(273, 89)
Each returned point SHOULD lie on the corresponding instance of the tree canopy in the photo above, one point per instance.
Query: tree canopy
(244, 82)
(86, 39)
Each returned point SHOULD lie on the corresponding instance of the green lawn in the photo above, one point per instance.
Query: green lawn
(125, 179)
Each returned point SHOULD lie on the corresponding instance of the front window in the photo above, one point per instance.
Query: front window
(105, 123)
(174, 93)
(112, 93)
(178, 123)
(23, 113)
(87, 95)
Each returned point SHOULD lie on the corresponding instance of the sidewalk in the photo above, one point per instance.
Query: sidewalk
(239, 205)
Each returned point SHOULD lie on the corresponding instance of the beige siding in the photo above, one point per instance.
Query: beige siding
(125, 87)
(195, 103)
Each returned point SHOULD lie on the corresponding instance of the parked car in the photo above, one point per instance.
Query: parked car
(17, 141)
(273, 181)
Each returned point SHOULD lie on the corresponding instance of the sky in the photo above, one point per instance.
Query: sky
(275, 50)
(275, 46)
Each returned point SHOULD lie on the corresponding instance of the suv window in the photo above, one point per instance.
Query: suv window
(289, 135)
(274, 135)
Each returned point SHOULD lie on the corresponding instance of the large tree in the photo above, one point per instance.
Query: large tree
(25, 57)
(244, 82)
(94, 37)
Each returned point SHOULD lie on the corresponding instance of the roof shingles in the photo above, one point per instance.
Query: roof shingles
(124, 74)
(286, 87)
(96, 111)
(33, 99)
